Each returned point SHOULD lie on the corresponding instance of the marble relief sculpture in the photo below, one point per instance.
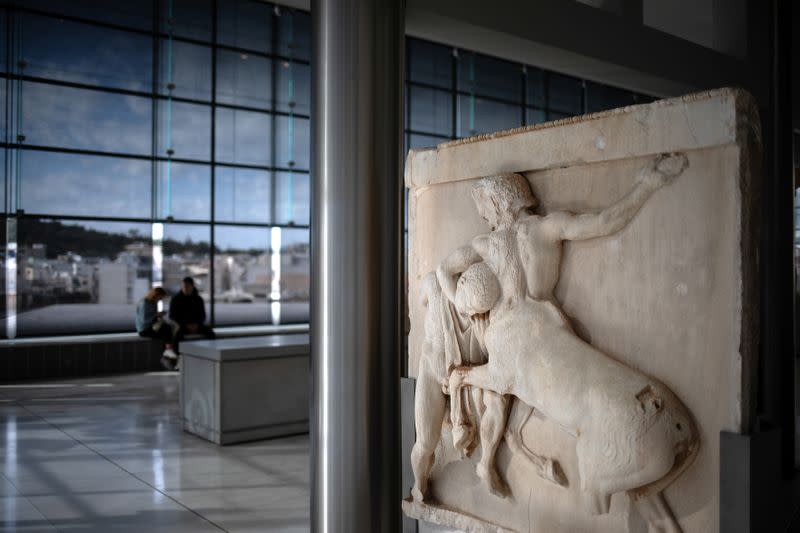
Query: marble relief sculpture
(497, 348)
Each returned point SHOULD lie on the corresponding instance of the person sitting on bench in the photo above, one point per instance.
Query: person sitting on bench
(150, 323)
(188, 310)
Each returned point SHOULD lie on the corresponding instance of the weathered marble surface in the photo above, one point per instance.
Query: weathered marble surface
(671, 295)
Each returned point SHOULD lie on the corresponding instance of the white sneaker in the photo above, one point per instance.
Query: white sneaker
(169, 352)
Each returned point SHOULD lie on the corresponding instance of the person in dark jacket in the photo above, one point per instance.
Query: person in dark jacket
(188, 310)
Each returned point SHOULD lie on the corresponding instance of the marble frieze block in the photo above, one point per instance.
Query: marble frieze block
(582, 305)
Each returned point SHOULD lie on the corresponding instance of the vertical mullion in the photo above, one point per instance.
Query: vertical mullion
(212, 225)
(273, 198)
(10, 237)
(19, 137)
(154, 121)
(546, 95)
(9, 88)
(584, 103)
(524, 86)
(454, 93)
(407, 93)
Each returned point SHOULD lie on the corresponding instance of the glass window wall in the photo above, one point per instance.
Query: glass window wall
(144, 141)
(148, 141)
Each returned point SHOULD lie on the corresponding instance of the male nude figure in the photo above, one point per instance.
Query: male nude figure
(454, 337)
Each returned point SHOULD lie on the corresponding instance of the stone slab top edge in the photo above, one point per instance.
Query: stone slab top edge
(248, 348)
(700, 120)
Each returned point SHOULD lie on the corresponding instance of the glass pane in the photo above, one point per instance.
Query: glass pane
(293, 198)
(185, 129)
(244, 137)
(487, 76)
(293, 86)
(535, 88)
(242, 195)
(430, 110)
(294, 34)
(186, 68)
(476, 116)
(245, 24)
(292, 142)
(644, 98)
(3, 206)
(295, 274)
(186, 251)
(187, 18)
(564, 94)
(430, 63)
(242, 275)
(796, 148)
(3, 131)
(84, 53)
(85, 119)
(3, 256)
(601, 97)
(80, 277)
(244, 79)
(535, 116)
(425, 141)
(130, 13)
(3, 38)
(75, 185)
(184, 191)
(555, 115)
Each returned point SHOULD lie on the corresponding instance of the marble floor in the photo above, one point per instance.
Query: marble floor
(108, 453)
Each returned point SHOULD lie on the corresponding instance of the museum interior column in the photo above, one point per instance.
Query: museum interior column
(356, 264)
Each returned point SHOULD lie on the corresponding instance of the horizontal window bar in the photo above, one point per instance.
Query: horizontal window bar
(464, 93)
(22, 215)
(156, 33)
(78, 151)
(222, 331)
(101, 153)
(427, 134)
(259, 167)
(144, 94)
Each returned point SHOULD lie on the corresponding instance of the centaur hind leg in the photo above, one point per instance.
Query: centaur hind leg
(655, 509)
(545, 467)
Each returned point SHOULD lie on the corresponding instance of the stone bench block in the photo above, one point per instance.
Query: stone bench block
(244, 389)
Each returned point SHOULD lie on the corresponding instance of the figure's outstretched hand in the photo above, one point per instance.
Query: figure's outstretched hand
(672, 164)
(664, 168)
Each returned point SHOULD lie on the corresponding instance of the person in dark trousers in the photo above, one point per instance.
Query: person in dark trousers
(188, 310)
(150, 323)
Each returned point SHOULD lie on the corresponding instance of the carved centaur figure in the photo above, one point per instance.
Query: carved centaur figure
(633, 434)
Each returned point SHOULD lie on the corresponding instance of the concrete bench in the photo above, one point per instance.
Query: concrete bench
(243, 389)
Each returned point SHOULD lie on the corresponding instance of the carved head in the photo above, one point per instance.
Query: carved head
(500, 199)
(477, 290)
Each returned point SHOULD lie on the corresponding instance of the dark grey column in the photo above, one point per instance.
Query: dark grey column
(356, 264)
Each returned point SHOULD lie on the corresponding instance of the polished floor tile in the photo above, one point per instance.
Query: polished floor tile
(109, 453)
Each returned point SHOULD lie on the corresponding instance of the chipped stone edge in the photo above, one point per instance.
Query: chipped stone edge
(448, 517)
(742, 100)
(748, 137)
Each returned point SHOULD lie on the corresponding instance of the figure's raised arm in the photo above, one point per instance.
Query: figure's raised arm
(660, 172)
(457, 262)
